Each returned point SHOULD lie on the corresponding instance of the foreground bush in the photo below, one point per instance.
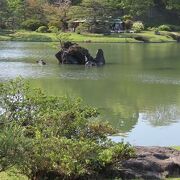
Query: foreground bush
(53, 137)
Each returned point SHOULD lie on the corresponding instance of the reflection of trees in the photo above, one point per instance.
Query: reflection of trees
(125, 86)
(124, 118)
(163, 115)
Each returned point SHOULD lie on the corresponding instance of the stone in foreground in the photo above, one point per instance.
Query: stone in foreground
(150, 163)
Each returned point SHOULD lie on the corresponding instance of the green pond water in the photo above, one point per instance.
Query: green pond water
(137, 91)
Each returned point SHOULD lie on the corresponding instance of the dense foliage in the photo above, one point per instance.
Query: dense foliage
(58, 13)
(53, 137)
(138, 27)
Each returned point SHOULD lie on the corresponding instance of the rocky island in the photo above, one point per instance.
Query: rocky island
(72, 53)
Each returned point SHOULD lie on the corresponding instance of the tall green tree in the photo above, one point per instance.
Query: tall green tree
(133, 7)
(173, 4)
(57, 14)
(35, 9)
(92, 11)
(3, 13)
(16, 12)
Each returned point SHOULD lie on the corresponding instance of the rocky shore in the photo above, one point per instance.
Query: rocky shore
(149, 163)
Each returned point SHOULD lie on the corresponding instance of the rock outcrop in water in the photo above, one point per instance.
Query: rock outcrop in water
(149, 163)
(72, 53)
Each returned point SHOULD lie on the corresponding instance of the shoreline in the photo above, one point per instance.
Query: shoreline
(144, 37)
(150, 162)
(93, 42)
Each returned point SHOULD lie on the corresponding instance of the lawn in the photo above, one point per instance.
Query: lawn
(31, 36)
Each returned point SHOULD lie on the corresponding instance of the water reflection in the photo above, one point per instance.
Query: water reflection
(138, 90)
(162, 115)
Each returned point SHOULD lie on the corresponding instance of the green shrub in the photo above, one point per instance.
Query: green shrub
(127, 17)
(53, 137)
(54, 23)
(152, 28)
(83, 27)
(31, 24)
(138, 27)
(164, 28)
(128, 24)
(53, 29)
(174, 27)
(42, 29)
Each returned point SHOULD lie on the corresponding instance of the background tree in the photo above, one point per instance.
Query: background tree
(16, 12)
(93, 12)
(174, 5)
(136, 7)
(3, 13)
(34, 10)
(57, 13)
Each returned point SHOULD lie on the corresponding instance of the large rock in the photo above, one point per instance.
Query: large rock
(72, 53)
(150, 163)
(99, 59)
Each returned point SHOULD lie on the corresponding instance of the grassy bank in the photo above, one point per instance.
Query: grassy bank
(146, 36)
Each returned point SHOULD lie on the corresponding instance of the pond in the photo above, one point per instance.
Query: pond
(137, 91)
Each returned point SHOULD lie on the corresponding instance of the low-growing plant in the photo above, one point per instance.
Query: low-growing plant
(138, 26)
(53, 137)
(53, 29)
(164, 28)
(31, 24)
(42, 29)
(82, 28)
(54, 23)
(152, 28)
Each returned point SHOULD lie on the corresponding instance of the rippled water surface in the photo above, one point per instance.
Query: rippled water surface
(138, 90)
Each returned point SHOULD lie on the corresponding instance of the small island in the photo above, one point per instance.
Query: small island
(72, 53)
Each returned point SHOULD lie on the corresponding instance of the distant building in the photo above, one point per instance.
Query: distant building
(114, 25)
(117, 25)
